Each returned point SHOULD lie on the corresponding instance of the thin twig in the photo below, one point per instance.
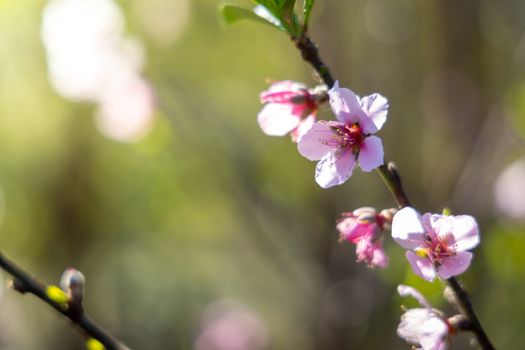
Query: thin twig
(25, 283)
(466, 309)
(392, 180)
(310, 54)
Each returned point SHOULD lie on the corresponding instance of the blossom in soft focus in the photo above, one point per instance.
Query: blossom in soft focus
(90, 60)
(125, 110)
(289, 108)
(229, 326)
(340, 145)
(509, 190)
(436, 243)
(423, 326)
(364, 227)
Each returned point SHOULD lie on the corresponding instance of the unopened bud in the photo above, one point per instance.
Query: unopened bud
(388, 214)
(364, 211)
(450, 296)
(72, 283)
(458, 323)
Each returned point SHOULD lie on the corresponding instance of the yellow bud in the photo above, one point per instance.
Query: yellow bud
(57, 295)
(93, 344)
(447, 211)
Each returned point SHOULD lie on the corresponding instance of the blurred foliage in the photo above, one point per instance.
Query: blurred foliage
(206, 207)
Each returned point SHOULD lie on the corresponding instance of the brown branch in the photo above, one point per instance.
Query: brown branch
(392, 180)
(310, 54)
(467, 310)
(25, 283)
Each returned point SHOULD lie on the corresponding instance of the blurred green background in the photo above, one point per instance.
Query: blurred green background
(207, 210)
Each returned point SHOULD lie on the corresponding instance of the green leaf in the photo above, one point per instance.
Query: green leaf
(272, 6)
(231, 14)
(282, 11)
(288, 16)
(287, 7)
(263, 12)
(307, 9)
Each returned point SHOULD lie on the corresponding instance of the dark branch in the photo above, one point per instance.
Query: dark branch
(466, 309)
(392, 179)
(25, 283)
(310, 54)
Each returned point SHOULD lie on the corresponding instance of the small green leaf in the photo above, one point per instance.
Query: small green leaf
(231, 14)
(287, 7)
(289, 18)
(265, 14)
(272, 6)
(307, 9)
(282, 11)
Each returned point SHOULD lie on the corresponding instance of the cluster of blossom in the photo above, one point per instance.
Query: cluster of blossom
(437, 244)
(337, 145)
(90, 60)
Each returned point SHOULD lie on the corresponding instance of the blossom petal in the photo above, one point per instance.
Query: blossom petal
(433, 334)
(354, 230)
(285, 85)
(366, 124)
(410, 326)
(313, 145)
(304, 125)
(276, 119)
(345, 105)
(371, 153)
(466, 232)
(376, 107)
(407, 229)
(283, 92)
(406, 291)
(421, 266)
(334, 168)
(437, 226)
(379, 257)
(454, 265)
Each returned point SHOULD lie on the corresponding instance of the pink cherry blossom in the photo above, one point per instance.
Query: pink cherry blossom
(290, 108)
(424, 327)
(340, 145)
(437, 244)
(364, 227)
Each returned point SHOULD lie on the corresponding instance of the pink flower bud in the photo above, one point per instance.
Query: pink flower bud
(364, 228)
